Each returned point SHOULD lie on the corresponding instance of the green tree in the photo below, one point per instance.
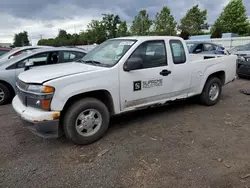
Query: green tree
(141, 24)
(83, 38)
(194, 21)
(21, 39)
(62, 34)
(47, 42)
(233, 18)
(111, 23)
(164, 23)
(122, 29)
(216, 32)
(185, 35)
(96, 32)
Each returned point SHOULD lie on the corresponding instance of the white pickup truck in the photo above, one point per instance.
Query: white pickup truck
(119, 75)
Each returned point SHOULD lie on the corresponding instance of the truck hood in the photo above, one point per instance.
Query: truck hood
(49, 72)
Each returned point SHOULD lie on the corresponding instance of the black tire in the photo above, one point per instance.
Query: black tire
(204, 97)
(6, 94)
(240, 76)
(70, 117)
(243, 77)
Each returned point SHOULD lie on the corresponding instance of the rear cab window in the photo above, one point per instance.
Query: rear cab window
(178, 51)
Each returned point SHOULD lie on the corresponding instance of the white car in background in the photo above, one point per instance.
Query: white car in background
(19, 50)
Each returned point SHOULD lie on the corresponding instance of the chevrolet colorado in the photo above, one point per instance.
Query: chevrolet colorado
(119, 75)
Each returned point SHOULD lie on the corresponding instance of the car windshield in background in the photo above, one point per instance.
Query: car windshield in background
(244, 48)
(240, 48)
(189, 46)
(108, 53)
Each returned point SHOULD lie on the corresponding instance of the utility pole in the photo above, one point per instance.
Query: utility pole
(41, 36)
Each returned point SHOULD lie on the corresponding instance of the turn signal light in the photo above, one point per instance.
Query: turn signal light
(48, 89)
(45, 104)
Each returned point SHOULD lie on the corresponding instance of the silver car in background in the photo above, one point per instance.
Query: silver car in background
(10, 69)
(18, 51)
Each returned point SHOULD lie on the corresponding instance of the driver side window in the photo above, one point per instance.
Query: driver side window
(38, 59)
(152, 53)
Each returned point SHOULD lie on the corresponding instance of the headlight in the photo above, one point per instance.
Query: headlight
(40, 89)
(40, 96)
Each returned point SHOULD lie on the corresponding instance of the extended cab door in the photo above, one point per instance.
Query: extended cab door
(181, 69)
(149, 84)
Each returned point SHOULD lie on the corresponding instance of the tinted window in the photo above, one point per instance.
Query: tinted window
(72, 56)
(198, 48)
(152, 53)
(178, 52)
(53, 58)
(3, 52)
(208, 47)
(38, 60)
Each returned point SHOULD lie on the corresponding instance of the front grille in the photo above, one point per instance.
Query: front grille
(21, 87)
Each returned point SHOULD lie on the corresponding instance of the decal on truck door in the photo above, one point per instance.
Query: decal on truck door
(152, 83)
(139, 85)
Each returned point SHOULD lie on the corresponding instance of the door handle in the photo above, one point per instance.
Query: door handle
(165, 72)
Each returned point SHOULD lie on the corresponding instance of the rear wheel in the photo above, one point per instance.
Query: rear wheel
(211, 92)
(5, 94)
(86, 121)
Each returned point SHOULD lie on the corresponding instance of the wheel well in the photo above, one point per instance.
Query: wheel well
(220, 74)
(8, 86)
(101, 95)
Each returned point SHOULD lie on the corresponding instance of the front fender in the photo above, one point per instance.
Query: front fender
(65, 88)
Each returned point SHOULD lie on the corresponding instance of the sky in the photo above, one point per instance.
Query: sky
(43, 18)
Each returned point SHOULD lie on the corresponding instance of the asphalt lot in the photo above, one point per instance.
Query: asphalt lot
(181, 145)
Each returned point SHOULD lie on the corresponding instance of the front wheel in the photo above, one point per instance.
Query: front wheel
(5, 94)
(211, 92)
(86, 121)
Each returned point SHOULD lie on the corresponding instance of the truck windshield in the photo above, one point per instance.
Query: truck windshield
(109, 52)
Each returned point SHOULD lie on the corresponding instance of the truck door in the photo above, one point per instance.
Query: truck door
(149, 84)
(181, 70)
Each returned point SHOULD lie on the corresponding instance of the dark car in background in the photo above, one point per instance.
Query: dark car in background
(243, 66)
(4, 50)
(205, 48)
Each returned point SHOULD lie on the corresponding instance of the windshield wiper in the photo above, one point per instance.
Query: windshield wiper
(96, 63)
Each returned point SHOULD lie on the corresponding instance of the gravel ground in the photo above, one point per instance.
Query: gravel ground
(181, 145)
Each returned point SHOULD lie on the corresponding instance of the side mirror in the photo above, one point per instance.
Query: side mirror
(28, 64)
(133, 64)
(197, 51)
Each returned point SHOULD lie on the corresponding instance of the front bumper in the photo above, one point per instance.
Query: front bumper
(244, 70)
(42, 123)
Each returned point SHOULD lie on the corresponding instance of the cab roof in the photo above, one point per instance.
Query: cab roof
(141, 38)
